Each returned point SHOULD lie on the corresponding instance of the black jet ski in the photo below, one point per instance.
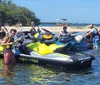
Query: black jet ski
(68, 60)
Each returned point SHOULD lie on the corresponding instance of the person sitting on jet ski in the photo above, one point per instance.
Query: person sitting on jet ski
(34, 29)
(89, 41)
(64, 37)
(93, 36)
(63, 32)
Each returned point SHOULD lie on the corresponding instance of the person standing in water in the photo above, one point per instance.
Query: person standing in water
(8, 42)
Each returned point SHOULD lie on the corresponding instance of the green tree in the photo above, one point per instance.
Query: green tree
(12, 14)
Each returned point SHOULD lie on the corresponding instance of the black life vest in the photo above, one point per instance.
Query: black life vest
(33, 31)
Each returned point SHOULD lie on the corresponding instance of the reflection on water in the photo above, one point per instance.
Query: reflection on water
(30, 74)
(8, 70)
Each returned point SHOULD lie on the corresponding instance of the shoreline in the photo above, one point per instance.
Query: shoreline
(52, 29)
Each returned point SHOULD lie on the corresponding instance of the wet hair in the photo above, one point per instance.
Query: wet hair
(13, 30)
(65, 27)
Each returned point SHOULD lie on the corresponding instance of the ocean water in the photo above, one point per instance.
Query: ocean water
(70, 24)
(30, 74)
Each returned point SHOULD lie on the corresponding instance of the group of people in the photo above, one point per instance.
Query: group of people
(92, 36)
(7, 39)
(90, 40)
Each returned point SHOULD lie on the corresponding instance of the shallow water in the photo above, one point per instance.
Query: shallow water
(30, 74)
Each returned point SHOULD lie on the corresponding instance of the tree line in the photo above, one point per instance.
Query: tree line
(12, 14)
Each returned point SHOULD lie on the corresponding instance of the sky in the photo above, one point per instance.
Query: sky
(76, 11)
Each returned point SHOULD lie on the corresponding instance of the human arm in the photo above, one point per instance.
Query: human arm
(88, 35)
(4, 29)
(5, 42)
(12, 43)
(91, 33)
(59, 34)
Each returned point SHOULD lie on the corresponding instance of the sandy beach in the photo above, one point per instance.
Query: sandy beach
(53, 29)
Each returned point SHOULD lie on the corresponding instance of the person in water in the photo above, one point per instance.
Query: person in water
(8, 42)
(63, 32)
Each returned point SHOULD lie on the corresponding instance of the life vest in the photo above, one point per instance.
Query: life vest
(33, 31)
(10, 39)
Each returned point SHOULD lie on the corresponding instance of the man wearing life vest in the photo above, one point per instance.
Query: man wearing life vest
(34, 29)
(93, 36)
(63, 32)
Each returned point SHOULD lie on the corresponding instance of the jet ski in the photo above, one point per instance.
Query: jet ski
(29, 52)
(39, 53)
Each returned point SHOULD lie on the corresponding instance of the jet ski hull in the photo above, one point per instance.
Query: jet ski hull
(70, 64)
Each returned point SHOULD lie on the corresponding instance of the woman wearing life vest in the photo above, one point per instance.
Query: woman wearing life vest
(8, 42)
